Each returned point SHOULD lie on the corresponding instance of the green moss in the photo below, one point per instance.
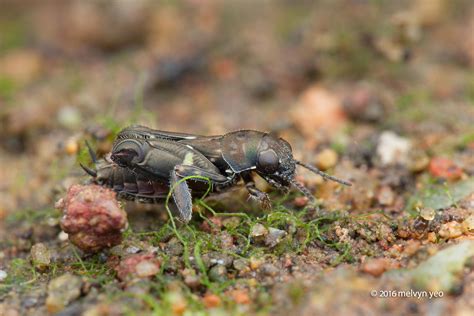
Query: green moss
(440, 196)
(13, 34)
(21, 275)
(32, 216)
(8, 88)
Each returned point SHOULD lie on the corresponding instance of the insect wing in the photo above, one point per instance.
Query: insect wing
(142, 132)
(177, 154)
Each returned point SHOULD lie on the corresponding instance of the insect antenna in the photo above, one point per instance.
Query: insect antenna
(303, 190)
(323, 174)
(89, 170)
(91, 152)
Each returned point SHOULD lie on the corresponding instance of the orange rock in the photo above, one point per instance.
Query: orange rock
(431, 237)
(375, 266)
(301, 201)
(412, 247)
(444, 168)
(179, 307)
(450, 230)
(318, 111)
(21, 65)
(71, 147)
(224, 69)
(240, 296)
(211, 300)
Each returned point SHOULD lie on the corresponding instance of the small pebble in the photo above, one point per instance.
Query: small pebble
(255, 263)
(3, 275)
(258, 233)
(385, 196)
(71, 147)
(227, 241)
(62, 291)
(240, 296)
(211, 300)
(318, 111)
(215, 257)
(411, 247)
(29, 302)
(190, 278)
(40, 256)
(132, 250)
(241, 264)
(147, 268)
(231, 222)
(375, 266)
(419, 161)
(450, 230)
(326, 159)
(431, 237)
(468, 224)
(301, 201)
(274, 237)
(393, 149)
(142, 265)
(427, 213)
(364, 104)
(288, 262)
(269, 269)
(177, 301)
(258, 230)
(174, 247)
(218, 273)
(444, 168)
(252, 282)
(69, 116)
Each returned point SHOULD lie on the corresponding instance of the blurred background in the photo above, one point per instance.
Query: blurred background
(321, 73)
(377, 92)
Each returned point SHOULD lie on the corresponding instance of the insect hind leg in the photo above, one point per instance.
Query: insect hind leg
(180, 190)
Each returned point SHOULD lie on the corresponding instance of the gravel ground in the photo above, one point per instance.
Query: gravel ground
(379, 94)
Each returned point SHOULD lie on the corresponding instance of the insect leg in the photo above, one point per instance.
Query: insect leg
(182, 197)
(255, 193)
(277, 185)
(181, 194)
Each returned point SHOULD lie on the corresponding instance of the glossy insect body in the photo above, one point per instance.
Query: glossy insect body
(224, 159)
(128, 185)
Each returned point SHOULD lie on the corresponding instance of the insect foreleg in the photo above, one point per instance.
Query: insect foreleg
(255, 193)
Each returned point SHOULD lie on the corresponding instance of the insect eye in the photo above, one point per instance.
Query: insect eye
(127, 152)
(268, 161)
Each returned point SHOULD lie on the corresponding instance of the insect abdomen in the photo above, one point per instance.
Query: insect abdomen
(128, 185)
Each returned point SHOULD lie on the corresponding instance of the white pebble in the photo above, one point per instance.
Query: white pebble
(3, 275)
(132, 249)
(393, 149)
(63, 236)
